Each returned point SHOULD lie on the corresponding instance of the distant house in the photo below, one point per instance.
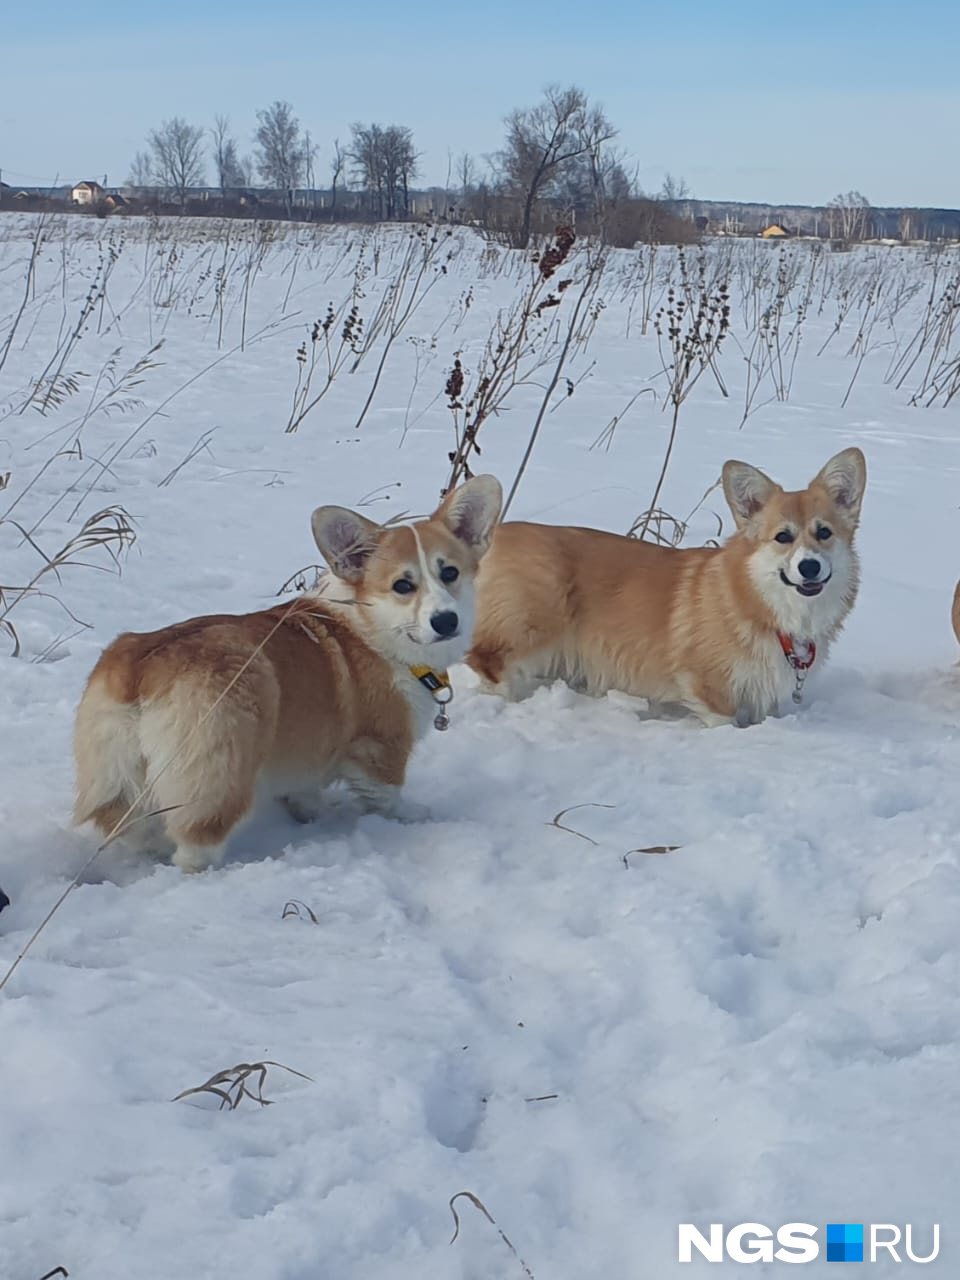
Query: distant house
(86, 193)
(114, 200)
(774, 232)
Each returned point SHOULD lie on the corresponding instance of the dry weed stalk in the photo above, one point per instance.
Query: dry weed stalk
(586, 804)
(527, 340)
(605, 439)
(52, 387)
(772, 353)
(37, 241)
(333, 354)
(478, 1204)
(426, 261)
(503, 365)
(643, 287)
(231, 1085)
(693, 335)
(110, 530)
(943, 302)
(581, 320)
(935, 343)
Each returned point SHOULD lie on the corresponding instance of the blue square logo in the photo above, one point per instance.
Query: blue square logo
(845, 1242)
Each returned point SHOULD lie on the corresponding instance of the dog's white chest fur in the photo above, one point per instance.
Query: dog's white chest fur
(762, 682)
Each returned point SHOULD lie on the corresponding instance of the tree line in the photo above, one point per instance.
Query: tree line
(558, 157)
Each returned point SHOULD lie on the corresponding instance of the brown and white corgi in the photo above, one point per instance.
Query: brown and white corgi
(726, 632)
(199, 716)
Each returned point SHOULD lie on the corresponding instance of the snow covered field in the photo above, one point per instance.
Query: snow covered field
(762, 1026)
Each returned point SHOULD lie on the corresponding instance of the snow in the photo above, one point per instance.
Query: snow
(762, 1026)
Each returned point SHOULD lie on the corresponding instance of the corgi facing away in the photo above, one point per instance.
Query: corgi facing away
(202, 715)
(726, 632)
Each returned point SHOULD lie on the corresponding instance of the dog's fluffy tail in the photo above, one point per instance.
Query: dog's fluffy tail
(111, 770)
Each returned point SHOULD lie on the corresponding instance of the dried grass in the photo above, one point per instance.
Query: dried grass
(300, 910)
(110, 531)
(592, 804)
(650, 848)
(231, 1085)
(478, 1204)
(587, 804)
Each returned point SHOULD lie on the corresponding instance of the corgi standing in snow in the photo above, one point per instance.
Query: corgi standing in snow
(727, 632)
(339, 684)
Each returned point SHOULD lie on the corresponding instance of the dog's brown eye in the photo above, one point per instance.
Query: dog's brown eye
(784, 536)
(823, 533)
(449, 573)
(403, 586)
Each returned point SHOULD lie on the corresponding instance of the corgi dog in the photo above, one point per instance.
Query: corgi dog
(198, 717)
(725, 632)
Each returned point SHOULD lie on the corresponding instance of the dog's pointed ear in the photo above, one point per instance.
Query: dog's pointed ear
(345, 539)
(845, 477)
(471, 511)
(747, 490)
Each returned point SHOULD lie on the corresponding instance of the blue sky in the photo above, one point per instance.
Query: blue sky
(777, 102)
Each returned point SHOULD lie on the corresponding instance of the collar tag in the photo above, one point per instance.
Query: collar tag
(438, 684)
(801, 655)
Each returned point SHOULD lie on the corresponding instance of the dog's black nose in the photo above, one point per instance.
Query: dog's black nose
(445, 623)
(809, 569)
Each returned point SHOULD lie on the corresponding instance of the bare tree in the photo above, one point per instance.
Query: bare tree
(366, 155)
(336, 173)
(177, 156)
(542, 141)
(229, 170)
(400, 166)
(141, 170)
(847, 216)
(466, 175)
(281, 151)
(310, 150)
(385, 161)
(674, 188)
(597, 180)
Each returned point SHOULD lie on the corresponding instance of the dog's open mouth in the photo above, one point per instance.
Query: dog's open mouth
(805, 588)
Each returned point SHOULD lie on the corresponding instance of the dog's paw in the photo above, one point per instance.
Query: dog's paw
(302, 807)
(192, 858)
(747, 717)
(409, 811)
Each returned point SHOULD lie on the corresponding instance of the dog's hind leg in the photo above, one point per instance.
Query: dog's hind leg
(111, 770)
(205, 753)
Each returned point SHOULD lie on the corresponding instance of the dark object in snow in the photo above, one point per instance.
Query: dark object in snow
(4, 900)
